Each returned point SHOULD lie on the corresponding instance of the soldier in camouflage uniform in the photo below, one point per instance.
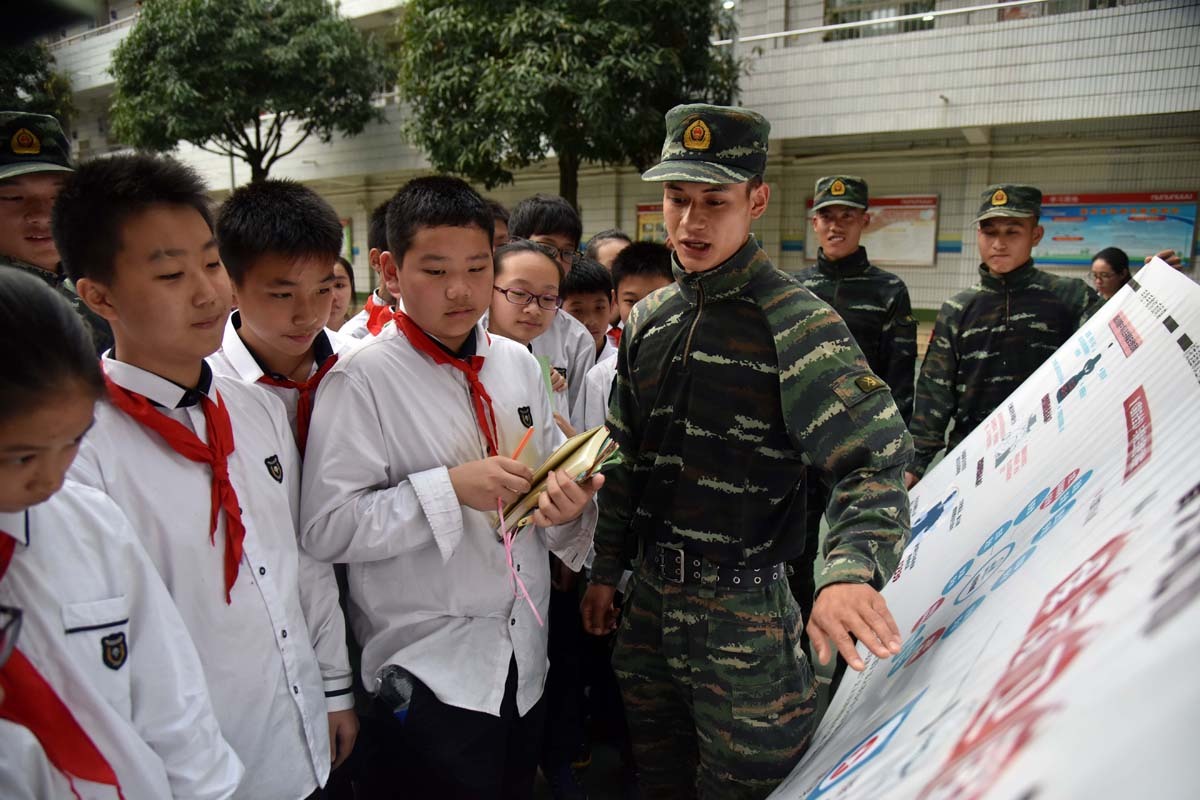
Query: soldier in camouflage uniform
(34, 157)
(989, 338)
(729, 382)
(875, 307)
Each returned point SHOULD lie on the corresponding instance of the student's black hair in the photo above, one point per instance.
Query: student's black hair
(499, 212)
(593, 246)
(103, 194)
(434, 201)
(275, 217)
(377, 228)
(1117, 258)
(642, 258)
(55, 346)
(587, 276)
(346, 265)
(545, 215)
(525, 246)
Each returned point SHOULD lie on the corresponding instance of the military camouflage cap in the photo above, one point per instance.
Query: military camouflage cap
(1009, 200)
(840, 190)
(712, 144)
(31, 143)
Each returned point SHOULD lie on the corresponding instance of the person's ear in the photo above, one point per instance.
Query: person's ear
(1038, 233)
(98, 298)
(866, 220)
(389, 270)
(814, 223)
(373, 258)
(758, 200)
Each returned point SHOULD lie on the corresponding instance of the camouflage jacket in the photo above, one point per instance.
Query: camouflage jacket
(987, 340)
(97, 325)
(876, 308)
(729, 384)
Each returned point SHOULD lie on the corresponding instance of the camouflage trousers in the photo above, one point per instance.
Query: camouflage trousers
(718, 690)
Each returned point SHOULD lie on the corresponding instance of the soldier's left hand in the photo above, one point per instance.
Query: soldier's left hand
(564, 499)
(843, 610)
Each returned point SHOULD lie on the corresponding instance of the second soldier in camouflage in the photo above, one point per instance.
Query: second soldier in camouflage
(730, 383)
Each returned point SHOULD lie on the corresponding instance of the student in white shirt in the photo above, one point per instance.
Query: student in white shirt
(206, 470)
(525, 301)
(343, 294)
(279, 242)
(552, 221)
(104, 688)
(380, 303)
(638, 270)
(435, 413)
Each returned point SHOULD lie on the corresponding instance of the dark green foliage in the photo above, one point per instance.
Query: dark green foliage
(28, 82)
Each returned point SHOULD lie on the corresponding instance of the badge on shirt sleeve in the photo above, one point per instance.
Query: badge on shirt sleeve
(275, 468)
(114, 651)
(526, 416)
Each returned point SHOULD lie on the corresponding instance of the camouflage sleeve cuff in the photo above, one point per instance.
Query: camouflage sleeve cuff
(849, 569)
(606, 570)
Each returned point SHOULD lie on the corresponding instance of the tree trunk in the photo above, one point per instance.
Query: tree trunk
(258, 172)
(568, 177)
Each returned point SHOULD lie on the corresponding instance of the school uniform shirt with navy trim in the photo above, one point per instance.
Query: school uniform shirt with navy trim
(429, 585)
(102, 631)
(234, 360)
(571, 350)
(265, 653)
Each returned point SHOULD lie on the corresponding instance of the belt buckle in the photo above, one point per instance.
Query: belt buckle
(667, 569)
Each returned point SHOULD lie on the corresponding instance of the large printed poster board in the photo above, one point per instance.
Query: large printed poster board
(1080, 225)
(1048, 598)
(902, 231)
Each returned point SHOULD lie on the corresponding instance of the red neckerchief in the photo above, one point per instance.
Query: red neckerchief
(31, 702)
(378, 314)
(480, 399)
(614, 335)
(304, 405)
(215, 454)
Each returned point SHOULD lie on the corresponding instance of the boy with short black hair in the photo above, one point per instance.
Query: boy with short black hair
(989, 338)
(552, 221)
(436, 412)
(639, 270)
(206, 469)
(587, 293)
(499, 223)
(380, 303)
(279, 241)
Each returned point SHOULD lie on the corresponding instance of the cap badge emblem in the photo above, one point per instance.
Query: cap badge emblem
(838, 188)
(999, 198)
(25, 143)
(697, 136)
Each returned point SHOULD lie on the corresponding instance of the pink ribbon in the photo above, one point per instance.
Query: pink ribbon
(514, 580)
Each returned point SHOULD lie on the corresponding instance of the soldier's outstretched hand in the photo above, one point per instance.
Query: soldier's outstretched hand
(845, 610)
(598, 609)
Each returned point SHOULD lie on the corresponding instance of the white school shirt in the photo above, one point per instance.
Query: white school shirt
(102, 631)
(429, 585)
(258, 652)
(592, 408)
(356, 326)
(608, 351)
(234, 360)
(571, 350)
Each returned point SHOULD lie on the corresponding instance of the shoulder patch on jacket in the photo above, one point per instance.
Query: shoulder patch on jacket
(854, 387)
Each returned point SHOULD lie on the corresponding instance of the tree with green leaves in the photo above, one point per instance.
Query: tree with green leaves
(29, 82)
(497, 85)
(251, 79)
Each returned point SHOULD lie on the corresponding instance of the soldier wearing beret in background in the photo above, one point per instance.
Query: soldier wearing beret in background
(34, 161)
(989, 338)
(728, 382)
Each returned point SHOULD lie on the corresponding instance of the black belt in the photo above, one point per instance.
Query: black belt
(676, 565)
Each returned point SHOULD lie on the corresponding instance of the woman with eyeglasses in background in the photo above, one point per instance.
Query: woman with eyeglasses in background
(103, 694)
(1110, 271)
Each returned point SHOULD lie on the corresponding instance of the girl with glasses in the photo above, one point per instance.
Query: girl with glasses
(1110, 271)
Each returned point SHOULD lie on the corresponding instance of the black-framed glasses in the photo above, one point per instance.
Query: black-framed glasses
(10, 627)
(520, 297)
(558, 253)
(1103, 277)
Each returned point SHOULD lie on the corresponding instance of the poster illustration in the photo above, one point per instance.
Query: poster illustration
(1079, 226)
(1050, 601)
